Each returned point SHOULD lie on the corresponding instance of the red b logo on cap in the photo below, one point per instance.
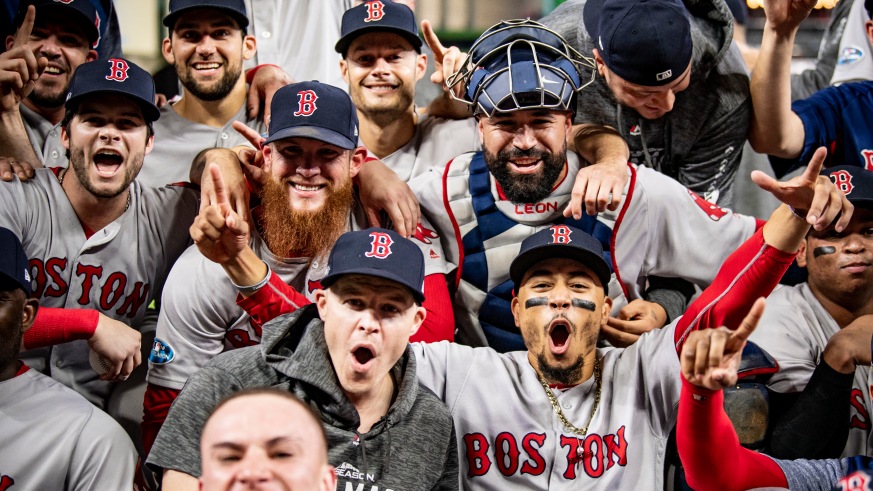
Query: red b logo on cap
(380, 248)
(375, 11)
(117, 70)
(561, 234)
(843, 180)
(306, 103)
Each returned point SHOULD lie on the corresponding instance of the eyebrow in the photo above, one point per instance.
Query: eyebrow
(214, 24)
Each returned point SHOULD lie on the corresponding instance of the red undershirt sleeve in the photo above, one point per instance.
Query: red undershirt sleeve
(271, 301)
(752, 271)
(439, 325)
(710, 449)
(156, 404)
(56, 326)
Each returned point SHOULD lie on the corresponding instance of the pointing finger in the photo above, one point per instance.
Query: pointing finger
(22, 35)
(815, 164)
(221, 195)
(249, 134)
(432, 41)
(747, 326)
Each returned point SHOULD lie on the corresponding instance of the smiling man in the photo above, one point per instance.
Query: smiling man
(348, 358)
(670, 82)
(310, 158)
(51, 40)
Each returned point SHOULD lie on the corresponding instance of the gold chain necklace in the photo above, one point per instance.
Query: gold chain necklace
(580, 452)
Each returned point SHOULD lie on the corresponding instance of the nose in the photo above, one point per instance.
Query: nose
(49, 47)
(108, 132)
(206, 46)
(368, 321)
(854, 244)
(307, 169)
(381, 67)
(664, 100)
(524, 138)
(253, 469)
(559, 298)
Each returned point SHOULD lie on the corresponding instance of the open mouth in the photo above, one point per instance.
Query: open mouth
(383, 88)
(363, 356)
(307, 189)
(211, 65)
(107, 163)
(559, 336)
(52, 70)
(525, 165)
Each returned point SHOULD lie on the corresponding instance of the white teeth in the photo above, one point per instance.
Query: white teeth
(206, 66)
(301, 187)
(52, 69)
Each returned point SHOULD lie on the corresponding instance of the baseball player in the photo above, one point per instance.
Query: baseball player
(821, 320)
(671, 82)
(487, 202)
(97, 239)
(207, 44)
(707, 442)
(571, 414)
(347, 357)
(51, 40)
(284, 445)
(836, 117)
(311, 155)
(52, 437)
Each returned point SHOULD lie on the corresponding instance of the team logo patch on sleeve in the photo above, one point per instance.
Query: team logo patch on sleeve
(850, 55)
(161, 353)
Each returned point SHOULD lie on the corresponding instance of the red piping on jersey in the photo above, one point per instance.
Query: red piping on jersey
(455, 226)
(624, 208)
(22, 369)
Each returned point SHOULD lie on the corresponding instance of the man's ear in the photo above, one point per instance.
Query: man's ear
(418, 320)
(10, 40)
(601, 66)
(167, 51)
(250, 47)
(801, 254)
(480, 126)
(344, 70)
(515, 307)
(321, 302)
(65, 137)
(150, 144)
(868, 27)
(91, 56)
(420, 66)
(358, 156)
(605, 309)
(28, 313)
(268, 157)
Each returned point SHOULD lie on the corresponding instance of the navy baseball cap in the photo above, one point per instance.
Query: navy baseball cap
(314, 110)
(560, 241)
(234, 8)
(378, 15)
(13, 262)
(114, 75)
(646, 42)
(855, 182)
(80, 11)
(378, 252)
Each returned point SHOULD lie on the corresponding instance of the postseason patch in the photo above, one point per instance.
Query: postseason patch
(161, 353)
(850, 55)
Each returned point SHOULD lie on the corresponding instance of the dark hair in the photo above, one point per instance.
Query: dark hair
(868, 6)
(274, 392)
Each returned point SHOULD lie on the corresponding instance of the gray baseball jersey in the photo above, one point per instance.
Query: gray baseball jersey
(199, 318)
(45, 138)
(795, 330)
(53, 439)
(658, 231)
(116, 271)
(179, 140)
(509, 436)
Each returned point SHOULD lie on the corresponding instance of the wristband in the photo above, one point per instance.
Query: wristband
(250, 75)
(248, 290)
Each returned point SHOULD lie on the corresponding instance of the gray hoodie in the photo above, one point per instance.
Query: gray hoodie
(412, 448)
(700, 142)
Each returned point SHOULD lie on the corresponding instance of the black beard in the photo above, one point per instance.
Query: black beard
(41, 100)
(526, 188)
(214, 93)
(567, 376)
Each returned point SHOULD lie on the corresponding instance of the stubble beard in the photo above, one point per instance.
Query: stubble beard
(570, 374)
(526, 188)
(290, 232)
(80, 169)
(385, 114)
(214, 92)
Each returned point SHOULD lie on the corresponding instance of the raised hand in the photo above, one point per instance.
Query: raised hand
(785, 16)
(446, 60)
(252, 160)
(20, 66)
(710, 357)
(635, 319)
(810, 194)
(219, 232)
(268, 79)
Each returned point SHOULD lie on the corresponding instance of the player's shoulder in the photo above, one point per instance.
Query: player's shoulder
(41, 391)
(193, 272)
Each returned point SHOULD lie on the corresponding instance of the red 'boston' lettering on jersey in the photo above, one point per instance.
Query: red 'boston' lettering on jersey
(37, 273)
(856, 481)
(240, 338)
(54, 268)
(861, 418)
(536, 464)
(113, 289)
(6, 482)
(712, 210)
(477, 454)
(599, 454)
(88, 273)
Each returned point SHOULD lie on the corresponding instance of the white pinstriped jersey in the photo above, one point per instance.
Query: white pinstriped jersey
(53, 439)
(509, 436)
(661, 229)
(199, 317)
(795, 329)
(116, 271)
